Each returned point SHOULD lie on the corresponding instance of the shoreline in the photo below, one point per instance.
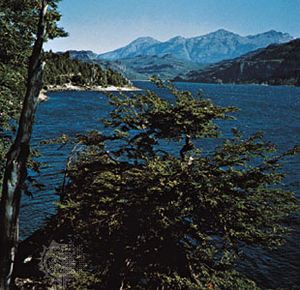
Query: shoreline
(43, 97)
(70, 87)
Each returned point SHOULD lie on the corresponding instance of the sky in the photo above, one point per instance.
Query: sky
(104, 25)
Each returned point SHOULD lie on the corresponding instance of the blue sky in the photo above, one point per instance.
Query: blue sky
(103, 25)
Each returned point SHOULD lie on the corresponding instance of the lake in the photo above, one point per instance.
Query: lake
(272, 110)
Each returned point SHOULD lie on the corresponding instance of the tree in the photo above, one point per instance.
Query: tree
(152, 214)
(15, 20)
(18, 26)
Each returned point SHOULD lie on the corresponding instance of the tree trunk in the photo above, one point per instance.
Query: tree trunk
(15, 171)
(188, 146)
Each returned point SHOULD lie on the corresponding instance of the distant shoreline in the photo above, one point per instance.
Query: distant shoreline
(237, 83)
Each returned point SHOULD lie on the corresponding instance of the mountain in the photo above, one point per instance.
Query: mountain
(278, 64)
(209, 48)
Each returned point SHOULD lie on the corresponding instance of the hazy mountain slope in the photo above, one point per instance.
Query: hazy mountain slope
(209, 48)
(141, 67)
(277, 64)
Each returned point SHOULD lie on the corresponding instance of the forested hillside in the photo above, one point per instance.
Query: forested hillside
(274, 65)
(61, 69)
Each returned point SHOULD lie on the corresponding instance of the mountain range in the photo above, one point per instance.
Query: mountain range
(278, 64)
(147, 56)
(209, 48)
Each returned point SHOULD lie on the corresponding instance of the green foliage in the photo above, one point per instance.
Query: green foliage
(154, 118)
(154, 219)
(18, 23)
(61, 69)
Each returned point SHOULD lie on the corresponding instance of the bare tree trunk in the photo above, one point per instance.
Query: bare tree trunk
(15, 171)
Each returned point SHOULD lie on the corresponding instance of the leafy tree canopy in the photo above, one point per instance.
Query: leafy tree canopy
(152, 218)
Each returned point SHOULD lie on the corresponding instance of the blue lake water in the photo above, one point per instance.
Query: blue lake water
(273, 110)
